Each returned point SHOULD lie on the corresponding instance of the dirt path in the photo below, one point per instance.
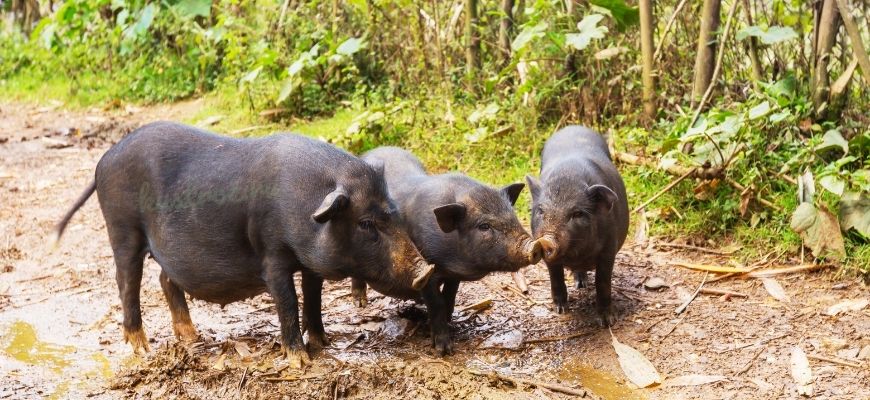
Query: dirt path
(60, 317)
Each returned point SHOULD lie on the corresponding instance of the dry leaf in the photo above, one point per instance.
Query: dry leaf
(219, 365)
(846, 306)
(775, 289)
(655, 283)
(636, 367)
(243, 349)
(640, 234)
(819, 230)
(713, 268)
(694, 380)
(800, 371)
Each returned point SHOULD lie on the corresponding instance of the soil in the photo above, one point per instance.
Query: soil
(60, 333)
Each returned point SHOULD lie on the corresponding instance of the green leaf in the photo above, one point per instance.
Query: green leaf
(350, 46)
(145, 20)
(779, 116)
(528, 34)
(589, 30)
(833, 184)
(833, 139)
(289, 87)
(784, 87)
(774, 34)
(855, 213)
(251, 75)
(194, 8)
(623, 14)
(759, 110)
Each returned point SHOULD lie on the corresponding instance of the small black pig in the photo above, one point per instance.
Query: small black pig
(579, 214)
(228, 219)
(465, 228)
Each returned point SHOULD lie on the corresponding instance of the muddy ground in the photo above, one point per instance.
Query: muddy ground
(60, 333)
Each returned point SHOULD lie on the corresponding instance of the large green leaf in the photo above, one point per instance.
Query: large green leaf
(528, 34)
(194, 8)
(833, 139)
(350, 46)
(759, 110)
(855, 213)
(774, 34)
(589, 30)
(623, 14)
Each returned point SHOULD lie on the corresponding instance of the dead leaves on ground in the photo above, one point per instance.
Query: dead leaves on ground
(637, 368)
(801, 372)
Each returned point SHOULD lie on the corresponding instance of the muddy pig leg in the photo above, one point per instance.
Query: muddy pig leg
(448, 292)
(312, 319)
(603, 302)
(182, 326)
(558, 291)
(358, 292)
(279, 283)
(128, 247)
(438, 318)
(581, 279)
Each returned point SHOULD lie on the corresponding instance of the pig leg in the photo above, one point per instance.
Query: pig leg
(128, 247)
(558, 290)
(581, 279)
(358, 292)
(312, 319)
(279, 283)
(603, 275)
(438, 318)
(448, 292)
(182, 326)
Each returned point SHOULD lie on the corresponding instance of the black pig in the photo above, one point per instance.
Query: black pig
(228, 219)
(466, 229)
(579, 214)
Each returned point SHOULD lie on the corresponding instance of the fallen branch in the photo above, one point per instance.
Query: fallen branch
(696, 248)
(663, 191)
(789, 270)
(532, 382)
(712, 268)
(558, 338)
(685, 305)
(720, 292)
(834, 361)
(248, 129)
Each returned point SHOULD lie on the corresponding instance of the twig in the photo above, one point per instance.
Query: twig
(519, 293)
(558, 338)
(497, 291)
(242, 382)
(723, 291)
(788, 270)
(479, 306)
(664, 190)
(756, 343)
(834, 361)
(716, 71)
(749, 363)
(668, 29)
(760, 199)
(668, 333)
(532, 382)
(683, 306)
(520, 280)
(701, 249)
(248, 129)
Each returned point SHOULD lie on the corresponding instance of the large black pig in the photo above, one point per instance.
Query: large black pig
(465, 228)
(227, 219)
(579, 214)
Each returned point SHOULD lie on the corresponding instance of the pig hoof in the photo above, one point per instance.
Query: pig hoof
(359, 299)
(443, 345)
(607, 316)
(137, 339)
(296, 358)
(317, 341)
(560, 308)
(185, 332)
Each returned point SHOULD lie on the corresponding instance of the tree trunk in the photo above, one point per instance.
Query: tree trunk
(646, 45)
(472, 37)
(757, 72)
(706, 52)
(827, 35)
(506, 28)
(855, 37)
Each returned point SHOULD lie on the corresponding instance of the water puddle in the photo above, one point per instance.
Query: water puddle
(600, 382)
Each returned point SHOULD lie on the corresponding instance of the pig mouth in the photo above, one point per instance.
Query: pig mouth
(423, 271)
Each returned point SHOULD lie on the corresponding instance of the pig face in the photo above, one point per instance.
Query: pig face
(364, 234)
(568, 217)
(486, 233)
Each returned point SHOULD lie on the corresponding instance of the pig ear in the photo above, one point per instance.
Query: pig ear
(602, 197)
(513, 191)
(534, 186)
(449, 215)
(334, 202)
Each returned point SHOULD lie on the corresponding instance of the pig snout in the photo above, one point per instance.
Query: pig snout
(534, 251)
(549, 248)
(422, 272)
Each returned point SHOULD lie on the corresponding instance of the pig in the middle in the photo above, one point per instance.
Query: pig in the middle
(463, 227)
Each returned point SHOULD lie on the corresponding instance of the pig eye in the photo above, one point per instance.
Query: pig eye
(367, 225)
(484, 227)
(539, 210)
(578, 215)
